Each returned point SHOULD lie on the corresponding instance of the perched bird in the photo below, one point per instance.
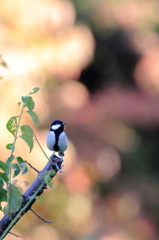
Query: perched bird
(56, 139)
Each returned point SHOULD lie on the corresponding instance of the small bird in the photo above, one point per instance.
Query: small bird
(56, 139)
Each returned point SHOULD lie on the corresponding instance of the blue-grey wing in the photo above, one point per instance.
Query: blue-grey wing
(62, 143)
(50, 140)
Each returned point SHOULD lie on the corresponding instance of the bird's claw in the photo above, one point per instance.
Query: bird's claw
(59, 169)
(56, 161)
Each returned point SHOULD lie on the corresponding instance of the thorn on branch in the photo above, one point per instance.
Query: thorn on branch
(32, 166)
(14, 234)
(39, 216)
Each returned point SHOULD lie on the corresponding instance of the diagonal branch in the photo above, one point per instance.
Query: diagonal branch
(37, 187)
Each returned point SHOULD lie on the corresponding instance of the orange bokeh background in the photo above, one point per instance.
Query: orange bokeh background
(109, 189)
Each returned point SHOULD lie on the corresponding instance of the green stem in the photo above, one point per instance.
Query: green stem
(41, 147)
(10, 166)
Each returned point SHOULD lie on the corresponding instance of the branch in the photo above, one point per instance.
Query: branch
(35, 189)
(14, 234)
(32, 166)
(39, 216)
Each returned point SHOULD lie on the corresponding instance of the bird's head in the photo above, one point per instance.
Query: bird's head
(57, 125)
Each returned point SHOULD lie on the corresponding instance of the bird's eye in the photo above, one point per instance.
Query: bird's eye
(55, 127)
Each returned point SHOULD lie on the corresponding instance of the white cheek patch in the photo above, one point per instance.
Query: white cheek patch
(55, 127)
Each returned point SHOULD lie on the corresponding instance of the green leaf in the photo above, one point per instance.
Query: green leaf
(3, 195)
(15, 198)
(29, 103)
(34, 90)
(46, 176)
(1, 183)
(19, 103)
(4, 177)
(27, 130)
(8, 161)
(34, 117)
(24, 99)
(12, 125)
(39, 198)
(23, 165)
(6, 210)
(10, 146)
(16, 169)
(4, 167)
(28, 140)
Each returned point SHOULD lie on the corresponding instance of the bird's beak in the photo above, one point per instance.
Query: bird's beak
(64, 123)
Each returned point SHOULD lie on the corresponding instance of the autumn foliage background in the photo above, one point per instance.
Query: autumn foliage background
(97, 65)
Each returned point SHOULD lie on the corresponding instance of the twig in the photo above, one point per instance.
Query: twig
(39, 216)
(32, 166)
(41, 148)
(14, 234)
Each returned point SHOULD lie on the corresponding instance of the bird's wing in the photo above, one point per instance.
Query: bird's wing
(62, 143)
(50, 140)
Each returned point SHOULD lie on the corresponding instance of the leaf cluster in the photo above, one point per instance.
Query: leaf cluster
(15, 165)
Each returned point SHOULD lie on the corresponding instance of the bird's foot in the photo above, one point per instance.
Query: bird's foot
(57, 158)
(59, 169)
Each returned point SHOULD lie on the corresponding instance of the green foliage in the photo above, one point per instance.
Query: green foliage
(16, 165)
(16, 168)
(14, 199)
(27, 130)
(29, 103)
(39, 198)
(28, 140)
(12, 125)
(23, 165)
(47, 178)
(10, 146)
(5, 168)
(4, 176)
(10, 159)
(34, 117)
(3, 196)
(11, 169)
(34, 90)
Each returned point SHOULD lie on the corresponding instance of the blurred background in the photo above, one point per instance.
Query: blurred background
(97, 65)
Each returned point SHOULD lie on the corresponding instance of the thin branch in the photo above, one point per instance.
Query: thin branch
(39, 216)
(32, 166)
(41, 148)
(14, 234)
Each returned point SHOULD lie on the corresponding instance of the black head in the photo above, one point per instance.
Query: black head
(57, 125)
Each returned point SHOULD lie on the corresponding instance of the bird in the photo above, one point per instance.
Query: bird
(56, 139)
